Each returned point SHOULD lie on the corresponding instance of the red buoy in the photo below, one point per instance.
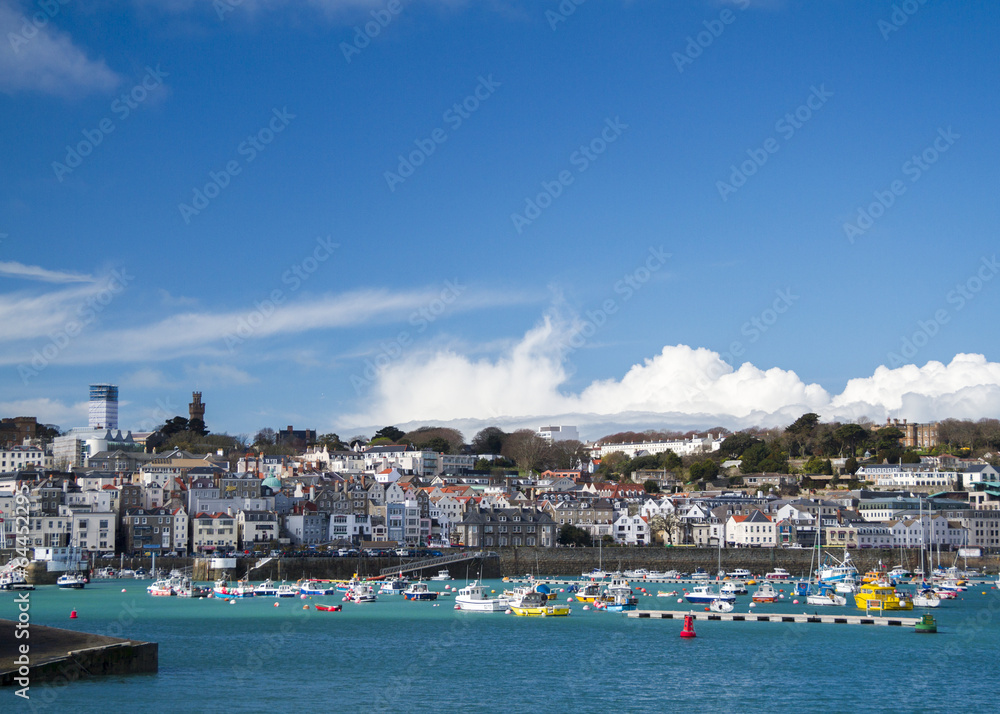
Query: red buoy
(72, 615)
(688, 630)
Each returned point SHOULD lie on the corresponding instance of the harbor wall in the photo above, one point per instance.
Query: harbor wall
(547, 561)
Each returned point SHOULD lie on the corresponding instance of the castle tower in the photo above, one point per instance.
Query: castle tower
(196, 410)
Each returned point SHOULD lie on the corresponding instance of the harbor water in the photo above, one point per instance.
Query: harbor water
(397, 655)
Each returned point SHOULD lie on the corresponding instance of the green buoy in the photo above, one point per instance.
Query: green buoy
(926, 624)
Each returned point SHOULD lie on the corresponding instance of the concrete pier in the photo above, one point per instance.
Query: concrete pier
(57, 654)
(776, 617)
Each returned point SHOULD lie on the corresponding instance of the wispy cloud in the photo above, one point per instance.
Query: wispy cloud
(44, 60)
(12, 269)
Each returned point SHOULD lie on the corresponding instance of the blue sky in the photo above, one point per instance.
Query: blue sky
(637, 213)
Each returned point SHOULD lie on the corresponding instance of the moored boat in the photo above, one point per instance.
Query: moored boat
(419, 591)
(765, 592)
(361, 593)
(704, 594)
(442, 575)
(329, 608)
(75, 581)
(394, 587)
(536, 604)
(266, 589)
(589, 593)
(881, 596)
(161, 588)
(721, 606)
(826, 597)
(473, 598)
(778, 574)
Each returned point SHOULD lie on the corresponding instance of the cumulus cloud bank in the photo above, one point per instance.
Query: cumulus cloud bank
(681, 385)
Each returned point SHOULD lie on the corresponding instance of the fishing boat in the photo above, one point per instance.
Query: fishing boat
(287, 589)
(778, 574)
(442, 575)
(765, 593)
(473, 598)
(589, 593)
(266, 589)
(361, 593)
(638, 574)
(161, 588)
(595, 574)
(76, 581)
(847, 586)
(536, 604)
(699, 574)
(881, 596)
(13, 579)
(619, 601)
(329, 608)
(189, 590)
(419, 591)
(224, 589)
(833, 570)
(739, 574)
(394, 587)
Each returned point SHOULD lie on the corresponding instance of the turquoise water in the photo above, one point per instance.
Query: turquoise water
(397, 655)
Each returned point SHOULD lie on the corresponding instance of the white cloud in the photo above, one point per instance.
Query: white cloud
(218, 375)
(42, 59)
(680, 386)
(13, 269)
(48, 411)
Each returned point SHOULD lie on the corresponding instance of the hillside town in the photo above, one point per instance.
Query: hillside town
(108, 491)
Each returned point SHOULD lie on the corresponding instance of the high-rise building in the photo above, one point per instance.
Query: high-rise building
(103, 406)
(196, 410)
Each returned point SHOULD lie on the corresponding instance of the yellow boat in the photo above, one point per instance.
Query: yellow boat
(534, 604)
(589, 593)
(880, 596)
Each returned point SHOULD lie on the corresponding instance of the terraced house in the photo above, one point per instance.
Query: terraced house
(482, 528)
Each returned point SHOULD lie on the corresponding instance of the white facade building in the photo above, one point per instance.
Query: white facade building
(552, 434)
(683, 447)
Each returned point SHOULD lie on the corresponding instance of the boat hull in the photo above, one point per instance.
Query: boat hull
(495, 605)
(546, 611)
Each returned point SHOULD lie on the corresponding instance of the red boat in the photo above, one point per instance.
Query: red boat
(329, 608)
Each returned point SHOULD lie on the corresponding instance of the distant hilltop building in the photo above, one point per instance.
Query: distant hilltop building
(919, 436)
(103, 413)
(551, 434)
(681, 447)
(196, 409)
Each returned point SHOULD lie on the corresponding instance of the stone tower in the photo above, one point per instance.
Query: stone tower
(196, 410)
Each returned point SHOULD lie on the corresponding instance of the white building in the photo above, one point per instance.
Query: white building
(552, 434)
(756, 530)
(93, 531)
(213, 531)
(349, 526)
(683, 447)
(18, 458)
(892, 477)
(256, 527)
(103, 409)
(631, 530)
(928, 531)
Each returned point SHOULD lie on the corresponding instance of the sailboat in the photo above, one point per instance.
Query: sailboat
(825, 594)
(925, 595)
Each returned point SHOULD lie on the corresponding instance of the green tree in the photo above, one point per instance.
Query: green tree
(488, 440)
(650, 486)
(389, 432)
(573, 535)
(525, 448)
(909, 457)
(703, 470)
(764, 458)
(735, 445)
(850, 435)
(804, 425)
(851, 466)
(331, 441)
(670, 461)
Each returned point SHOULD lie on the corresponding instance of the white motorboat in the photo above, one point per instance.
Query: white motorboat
(778, 574)
(287, 589)
(394, 587)
(926, 598)
(721, 606)
(361, 593)
(734, 587)
(706, 595)
(13, 579)
(419, 591)
(442, 574)
(765, 593)
(161, 588)
(473, 598)
(740, 574)
(826, 596)
(266, 589)
(75, 581)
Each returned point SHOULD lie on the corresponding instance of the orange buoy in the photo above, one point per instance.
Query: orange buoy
(72, 615)
(688, 630)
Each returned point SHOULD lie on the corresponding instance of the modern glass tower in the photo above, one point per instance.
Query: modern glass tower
(103, 406)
